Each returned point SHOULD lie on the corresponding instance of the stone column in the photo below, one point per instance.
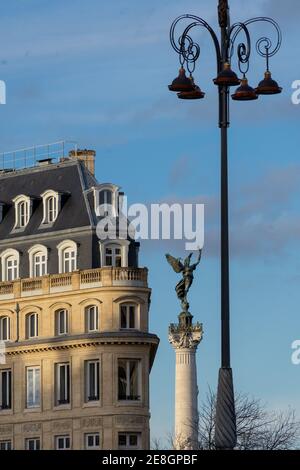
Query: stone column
(185, 338)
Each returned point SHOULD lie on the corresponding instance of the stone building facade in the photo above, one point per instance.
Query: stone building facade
(74, 314)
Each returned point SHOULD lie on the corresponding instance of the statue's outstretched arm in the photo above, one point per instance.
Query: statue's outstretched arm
(194, 266)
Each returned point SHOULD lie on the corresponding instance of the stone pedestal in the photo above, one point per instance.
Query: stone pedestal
(185, 338)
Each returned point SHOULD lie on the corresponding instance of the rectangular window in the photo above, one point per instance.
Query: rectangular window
(6, 389)
(128, 316)
(92, 318)
(62, 378)
(33, 382)
(108, 258)
(5, 445)
(40, 265)
(113, 257)
(69, 261)
(32, 325)
(129, 383)
(4, 329)
(92, 380)
(62, 443)
(129, 440)
(11, 269)
(33, 443)
(92, 441)
(118, 258)
(62, 322)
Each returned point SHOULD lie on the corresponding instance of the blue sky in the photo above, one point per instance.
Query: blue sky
(97, 72)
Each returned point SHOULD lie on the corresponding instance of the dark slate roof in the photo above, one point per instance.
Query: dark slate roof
(71, 178)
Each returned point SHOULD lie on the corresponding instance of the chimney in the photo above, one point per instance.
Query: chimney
(85, 156)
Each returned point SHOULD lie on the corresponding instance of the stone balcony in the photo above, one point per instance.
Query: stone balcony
(77, 280)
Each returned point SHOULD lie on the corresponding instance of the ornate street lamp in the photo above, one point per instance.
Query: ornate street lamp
(189, 52)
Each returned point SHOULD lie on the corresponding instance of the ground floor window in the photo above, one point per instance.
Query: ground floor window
(33, 443)
(129, 440)
(5, 445)
(92, 441)
(62, 443)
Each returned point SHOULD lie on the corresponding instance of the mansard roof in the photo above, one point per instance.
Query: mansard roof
(71, 178)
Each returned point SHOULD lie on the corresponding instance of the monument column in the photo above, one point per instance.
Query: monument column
(185, 338)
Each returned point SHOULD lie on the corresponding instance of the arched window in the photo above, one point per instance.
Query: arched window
(38, 260)
(4, 328)
(92, 318)
(51, 205)
(106, 198)
(67, 256)
(22, 214)
(32, 325)
(23, 207)
(61, 322)
(51, 209)
(10, 261)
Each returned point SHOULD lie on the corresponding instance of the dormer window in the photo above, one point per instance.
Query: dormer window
(67, 256)
(105, 200)
(23, 208)
(114, 254)
(51, 206)
(38, 260)
(10, 262)
(3, 209)
(51, 209)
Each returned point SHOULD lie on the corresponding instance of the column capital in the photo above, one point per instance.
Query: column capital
(185, 337)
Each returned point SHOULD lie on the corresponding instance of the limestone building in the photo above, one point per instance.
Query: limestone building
(73, 314)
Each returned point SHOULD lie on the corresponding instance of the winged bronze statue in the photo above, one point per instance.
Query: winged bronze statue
(186, 268)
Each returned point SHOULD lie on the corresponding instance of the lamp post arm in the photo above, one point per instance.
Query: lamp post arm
(265, 47)
(184, 44)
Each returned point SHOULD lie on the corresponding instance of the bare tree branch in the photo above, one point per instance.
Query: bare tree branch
(257, 428)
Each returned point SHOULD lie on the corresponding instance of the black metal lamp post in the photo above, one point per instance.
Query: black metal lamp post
(189, 53)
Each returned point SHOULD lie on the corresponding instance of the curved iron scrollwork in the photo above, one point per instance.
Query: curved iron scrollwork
(264, 45)
(189, 51)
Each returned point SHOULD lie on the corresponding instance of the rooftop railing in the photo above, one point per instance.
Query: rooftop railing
(37, 155)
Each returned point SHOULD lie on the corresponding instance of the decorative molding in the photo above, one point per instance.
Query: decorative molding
(91, 422)
(6, 429)
(129, 420)
(185, 338)
(49, 236)
(129, 298)
(61, 347)
(63, 425)
(32, 427)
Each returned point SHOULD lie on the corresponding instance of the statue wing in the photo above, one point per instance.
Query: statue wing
(175, 263)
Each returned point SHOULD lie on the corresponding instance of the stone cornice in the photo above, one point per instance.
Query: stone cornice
(80, 342)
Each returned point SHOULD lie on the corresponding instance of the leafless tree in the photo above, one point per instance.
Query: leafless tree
(257, 427)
